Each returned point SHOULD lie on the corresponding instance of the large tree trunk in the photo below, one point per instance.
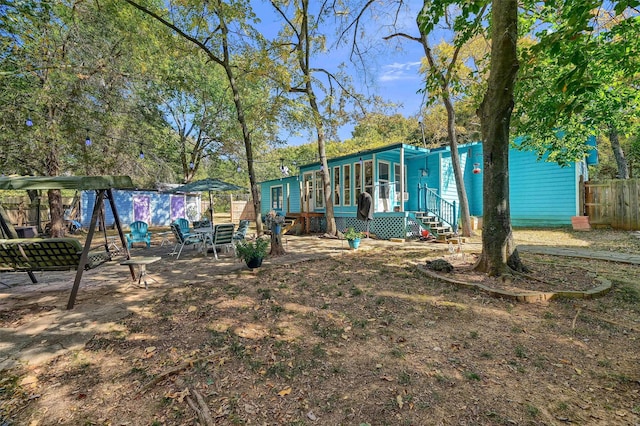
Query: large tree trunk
(618, 153)
(499, 252)
(332, 229)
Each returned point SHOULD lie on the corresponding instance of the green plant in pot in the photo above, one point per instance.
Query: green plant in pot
(252, 252)
(353, 237)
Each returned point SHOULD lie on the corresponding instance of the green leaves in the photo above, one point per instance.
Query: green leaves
(578, 76)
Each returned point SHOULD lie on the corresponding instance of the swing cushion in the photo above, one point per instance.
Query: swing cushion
(49, 254)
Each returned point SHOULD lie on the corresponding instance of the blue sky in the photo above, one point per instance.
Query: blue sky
(392, 67)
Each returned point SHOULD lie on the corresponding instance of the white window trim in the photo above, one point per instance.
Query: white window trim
(281, 200)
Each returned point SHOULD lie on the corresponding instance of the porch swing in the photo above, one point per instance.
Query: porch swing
(56, 254)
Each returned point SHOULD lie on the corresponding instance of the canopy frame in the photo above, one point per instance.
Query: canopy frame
(103, 185)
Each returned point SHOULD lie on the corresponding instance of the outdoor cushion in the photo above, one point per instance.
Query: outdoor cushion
(49, 254)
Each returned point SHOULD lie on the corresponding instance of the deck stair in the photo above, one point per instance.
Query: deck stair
(437, 227)
(289, 224)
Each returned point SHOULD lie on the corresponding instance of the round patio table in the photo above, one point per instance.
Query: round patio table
(141, 263)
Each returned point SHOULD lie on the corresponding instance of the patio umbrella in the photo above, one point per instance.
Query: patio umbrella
(210, 185)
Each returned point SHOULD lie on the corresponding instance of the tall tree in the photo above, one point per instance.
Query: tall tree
(580, 79)
(209, 27)
(195, 98)
(499, 252)
(301, 35)
(62, 62)
(443, 81)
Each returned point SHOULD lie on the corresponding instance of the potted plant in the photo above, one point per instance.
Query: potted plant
(252, 252)
(353, 237)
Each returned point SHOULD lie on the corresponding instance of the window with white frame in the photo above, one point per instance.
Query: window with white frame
(276, 198)
(336, 186)
(357, 179)
(383, 179)
(396, 177)
(319, 193)
(368, 177)
(346, 200)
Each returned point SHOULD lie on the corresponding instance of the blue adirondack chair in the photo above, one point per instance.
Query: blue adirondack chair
(139, 233)
(184, 226)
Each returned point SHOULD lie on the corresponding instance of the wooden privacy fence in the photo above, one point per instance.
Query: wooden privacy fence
(614, 202)
(22, 211)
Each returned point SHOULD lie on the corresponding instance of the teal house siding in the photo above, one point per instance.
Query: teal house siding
(448, 189)
(415, 178)
(292, 194)
(541, 193)
(290, 188)
(473, 181)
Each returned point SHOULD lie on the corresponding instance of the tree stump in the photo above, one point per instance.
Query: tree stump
(275, 222)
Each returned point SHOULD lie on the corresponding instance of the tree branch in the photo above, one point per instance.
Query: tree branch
(177, 30)
(389, 37)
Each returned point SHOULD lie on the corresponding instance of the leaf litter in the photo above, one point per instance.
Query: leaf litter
(358, 339)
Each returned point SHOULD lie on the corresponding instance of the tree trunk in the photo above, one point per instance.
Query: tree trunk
(304, 49)
(453, 138)
(246, 135)
(56, 209)
(8, 231)
(277, 249)
(332, 229)
(275, 222)
(499, 252)
(465, 216)
(618, 153)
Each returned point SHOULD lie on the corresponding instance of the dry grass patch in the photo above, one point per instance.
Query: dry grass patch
(362, 338)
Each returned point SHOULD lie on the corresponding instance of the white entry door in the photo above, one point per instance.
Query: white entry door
(384, 189)
(308, 190)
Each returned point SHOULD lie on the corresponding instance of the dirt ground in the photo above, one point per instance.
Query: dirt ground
(328, 336)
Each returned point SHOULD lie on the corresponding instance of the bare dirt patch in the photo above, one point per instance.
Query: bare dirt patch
(359, 338)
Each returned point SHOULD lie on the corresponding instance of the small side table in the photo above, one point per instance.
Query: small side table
(142, 263)
(113, 244)
(165, 238)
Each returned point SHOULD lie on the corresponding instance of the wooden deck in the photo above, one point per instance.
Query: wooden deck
(304, 218)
